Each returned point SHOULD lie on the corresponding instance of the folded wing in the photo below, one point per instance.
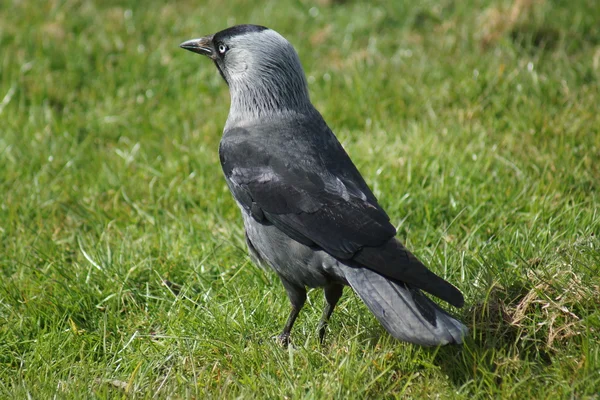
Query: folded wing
(306, 198)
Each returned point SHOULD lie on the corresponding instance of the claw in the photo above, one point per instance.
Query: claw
(283, 339)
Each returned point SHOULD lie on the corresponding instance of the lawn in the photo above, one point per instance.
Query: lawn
(123, 266)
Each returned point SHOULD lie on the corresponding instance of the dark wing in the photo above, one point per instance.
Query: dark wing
(292, 187)
(298, 194)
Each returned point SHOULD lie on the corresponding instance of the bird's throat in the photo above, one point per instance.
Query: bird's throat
(268, 100)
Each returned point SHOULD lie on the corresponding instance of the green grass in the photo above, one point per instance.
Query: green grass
(480, 135)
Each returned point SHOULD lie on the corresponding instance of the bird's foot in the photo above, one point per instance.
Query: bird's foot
(283, 339)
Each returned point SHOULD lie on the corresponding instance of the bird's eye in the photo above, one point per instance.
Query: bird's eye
(223, 48)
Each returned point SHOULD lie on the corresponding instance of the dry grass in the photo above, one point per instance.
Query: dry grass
(544, 312)
(500, 20)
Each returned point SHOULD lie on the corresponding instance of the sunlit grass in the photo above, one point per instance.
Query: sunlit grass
(122, 257)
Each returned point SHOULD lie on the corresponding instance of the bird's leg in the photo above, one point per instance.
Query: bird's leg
(333, 292)
(297, 296)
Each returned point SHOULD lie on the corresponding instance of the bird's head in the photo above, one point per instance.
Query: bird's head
(260, 66)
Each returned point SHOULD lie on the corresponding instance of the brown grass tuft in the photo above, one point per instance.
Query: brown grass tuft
(497, 21)
(545, 313)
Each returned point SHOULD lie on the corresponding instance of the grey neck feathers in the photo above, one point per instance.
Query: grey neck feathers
(269, 87)
(259, 100)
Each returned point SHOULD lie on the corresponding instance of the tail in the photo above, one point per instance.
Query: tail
(405, 312)
(394, 261)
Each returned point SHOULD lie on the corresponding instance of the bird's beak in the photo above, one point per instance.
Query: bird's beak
(202, 46)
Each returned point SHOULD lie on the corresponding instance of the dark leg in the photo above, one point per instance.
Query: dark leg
(297, 296)
(333, 292)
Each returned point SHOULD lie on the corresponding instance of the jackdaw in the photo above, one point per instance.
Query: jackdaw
(307, 211)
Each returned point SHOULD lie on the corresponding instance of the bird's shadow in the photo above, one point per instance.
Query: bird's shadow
(496, 343)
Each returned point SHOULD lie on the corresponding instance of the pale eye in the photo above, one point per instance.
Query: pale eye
(223, 48)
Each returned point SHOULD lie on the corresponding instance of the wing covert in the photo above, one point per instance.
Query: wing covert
(303, 198)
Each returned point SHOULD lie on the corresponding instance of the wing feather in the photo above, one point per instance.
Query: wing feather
(322, 204)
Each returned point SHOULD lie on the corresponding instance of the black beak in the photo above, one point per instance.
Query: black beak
(201, 46)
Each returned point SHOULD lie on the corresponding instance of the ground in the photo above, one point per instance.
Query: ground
(122, 255)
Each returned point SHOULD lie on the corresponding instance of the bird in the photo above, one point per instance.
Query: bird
(308, 213)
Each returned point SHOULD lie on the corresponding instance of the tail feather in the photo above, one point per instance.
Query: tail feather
(405, 312)
(394, 261)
